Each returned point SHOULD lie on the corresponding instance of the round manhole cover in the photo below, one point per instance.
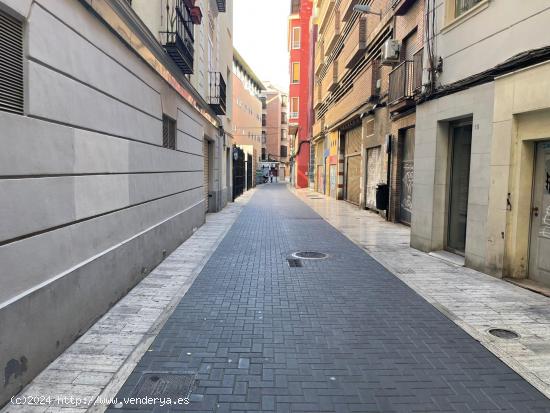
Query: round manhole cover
(310, 255)
(503, 333)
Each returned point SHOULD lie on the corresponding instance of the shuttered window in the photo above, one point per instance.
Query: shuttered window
(168, 132)
(11, 64)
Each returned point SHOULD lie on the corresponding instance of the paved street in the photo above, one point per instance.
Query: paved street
(339, 334)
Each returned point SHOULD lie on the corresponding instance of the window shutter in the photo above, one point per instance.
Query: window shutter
(11, 64)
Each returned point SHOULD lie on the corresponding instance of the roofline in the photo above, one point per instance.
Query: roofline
(240, 60)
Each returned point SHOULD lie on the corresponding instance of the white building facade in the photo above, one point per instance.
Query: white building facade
(110, 155)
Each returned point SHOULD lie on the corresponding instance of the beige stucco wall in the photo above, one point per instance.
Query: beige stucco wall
(521, 117)
(431, 162)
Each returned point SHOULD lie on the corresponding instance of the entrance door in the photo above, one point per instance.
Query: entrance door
(539, 255)
(461, 144)
(406, 176)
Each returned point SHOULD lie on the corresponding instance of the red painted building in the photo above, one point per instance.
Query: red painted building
(301, 78)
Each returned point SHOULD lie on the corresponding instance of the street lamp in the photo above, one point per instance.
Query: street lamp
(364, 8)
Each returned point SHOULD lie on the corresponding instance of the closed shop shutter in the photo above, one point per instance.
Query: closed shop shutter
(406, 176)
(320, 168)
(206, 152)
(352, 174)
(374, 175)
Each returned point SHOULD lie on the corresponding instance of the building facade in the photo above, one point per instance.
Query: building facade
(197, 37)
(247, 114)
(351, 121)
(300, 66)
(103, 161)
(276, 146)
(481, 150)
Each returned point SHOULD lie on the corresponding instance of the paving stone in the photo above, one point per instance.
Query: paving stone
(344, 329)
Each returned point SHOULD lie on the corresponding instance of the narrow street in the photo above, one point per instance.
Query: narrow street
(337, 334)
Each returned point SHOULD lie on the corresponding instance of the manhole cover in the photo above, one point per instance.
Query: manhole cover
(503, 333)
(294, 262)
(165, 385)
(310, 255)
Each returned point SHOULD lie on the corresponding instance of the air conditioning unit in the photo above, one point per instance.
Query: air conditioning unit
(390, 52)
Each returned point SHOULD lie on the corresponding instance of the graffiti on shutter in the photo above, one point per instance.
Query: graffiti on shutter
(374, 176)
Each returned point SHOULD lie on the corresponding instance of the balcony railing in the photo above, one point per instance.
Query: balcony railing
(178, 39)
(217, 93)
(417, 71)
(406, 79)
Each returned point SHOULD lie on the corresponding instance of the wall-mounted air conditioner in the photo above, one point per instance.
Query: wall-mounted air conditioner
(390, 52)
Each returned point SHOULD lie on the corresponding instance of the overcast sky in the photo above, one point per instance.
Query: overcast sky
(260, 36)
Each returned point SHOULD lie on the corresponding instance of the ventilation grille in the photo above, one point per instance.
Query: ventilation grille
(11, 64)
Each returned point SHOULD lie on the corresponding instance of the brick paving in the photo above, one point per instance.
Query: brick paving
(336, 335)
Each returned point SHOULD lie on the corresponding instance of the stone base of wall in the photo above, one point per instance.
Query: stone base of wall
(40, 325)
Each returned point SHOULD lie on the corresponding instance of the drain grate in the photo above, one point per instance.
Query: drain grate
(294, 262)
(310, 255)
(503, 333)
(165, 385)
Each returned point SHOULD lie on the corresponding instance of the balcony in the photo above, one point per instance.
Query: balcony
(324, 12)
(332, 34)
(319, 56)
(333, 83)
(318, 95)
(217, 93)
(221, 5)
(405, 82)
(178, 39)
(356, 44)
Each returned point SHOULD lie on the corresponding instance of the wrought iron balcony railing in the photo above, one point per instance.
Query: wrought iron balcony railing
(217, 93)
(406, 79)
(178, 39)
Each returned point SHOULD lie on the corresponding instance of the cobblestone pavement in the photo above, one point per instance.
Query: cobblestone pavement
(340, 334)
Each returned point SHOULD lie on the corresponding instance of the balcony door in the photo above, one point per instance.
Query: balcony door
(461, 149)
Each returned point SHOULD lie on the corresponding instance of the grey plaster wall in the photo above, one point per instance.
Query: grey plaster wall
(90, 200)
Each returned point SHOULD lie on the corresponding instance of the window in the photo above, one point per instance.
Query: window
(294, 107)
(296, 37)
(462, 6)
(296, 72)
(284, 151)
(168, 132)
(11, 64)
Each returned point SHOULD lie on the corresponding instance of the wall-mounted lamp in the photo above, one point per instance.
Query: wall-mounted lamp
(366, 9)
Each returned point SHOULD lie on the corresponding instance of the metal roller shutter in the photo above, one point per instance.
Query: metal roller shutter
(206, 153)
(352, 173)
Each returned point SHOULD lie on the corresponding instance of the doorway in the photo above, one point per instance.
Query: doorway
(459, 182)
(539, 257)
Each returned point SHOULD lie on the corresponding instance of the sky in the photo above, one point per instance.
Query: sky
(260, 35)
